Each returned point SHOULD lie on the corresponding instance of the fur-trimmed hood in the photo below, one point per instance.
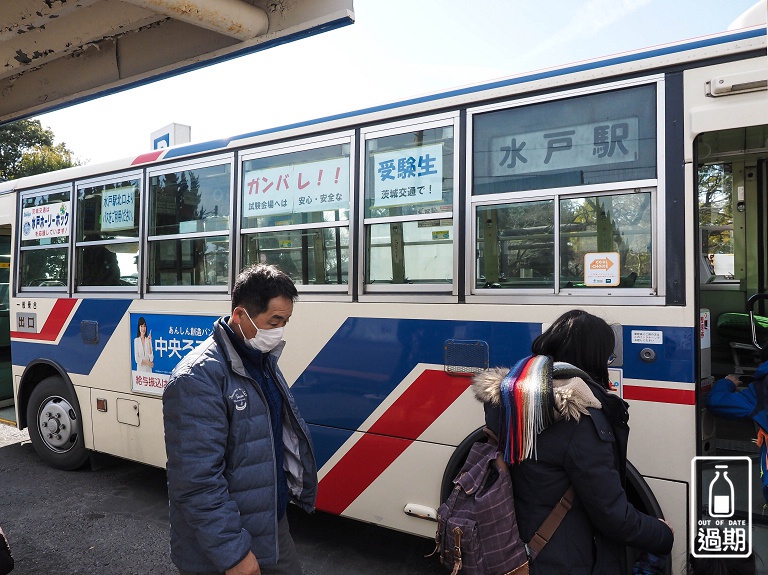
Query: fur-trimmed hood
(572, 394)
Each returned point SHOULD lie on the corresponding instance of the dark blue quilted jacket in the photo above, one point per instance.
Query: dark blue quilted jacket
(221, 468)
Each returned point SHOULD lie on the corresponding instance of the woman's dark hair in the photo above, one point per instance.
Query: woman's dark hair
(142, 322)
(581, 339)
(723, 566)
(259, 284)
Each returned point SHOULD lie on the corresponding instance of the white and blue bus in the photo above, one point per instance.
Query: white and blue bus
(428, 239)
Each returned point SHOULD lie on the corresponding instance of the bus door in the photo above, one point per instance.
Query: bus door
(6, 376)
(732, 185)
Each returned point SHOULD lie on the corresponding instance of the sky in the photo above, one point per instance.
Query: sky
(395, 50)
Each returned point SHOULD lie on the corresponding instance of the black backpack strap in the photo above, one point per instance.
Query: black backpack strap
(550, 524)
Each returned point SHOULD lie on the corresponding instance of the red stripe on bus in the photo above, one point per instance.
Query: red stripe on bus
(148, 157)
(660, 395)
(405, 420)
(53, 325)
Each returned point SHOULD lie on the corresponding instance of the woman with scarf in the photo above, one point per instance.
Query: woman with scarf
(559, 426)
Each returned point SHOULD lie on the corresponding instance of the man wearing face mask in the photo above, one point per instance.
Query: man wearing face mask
(237, 447)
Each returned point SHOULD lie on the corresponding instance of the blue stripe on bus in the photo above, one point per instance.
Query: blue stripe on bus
(611, 61)
(675, 358)
(367, 358)
(196, 148)
(71, 353)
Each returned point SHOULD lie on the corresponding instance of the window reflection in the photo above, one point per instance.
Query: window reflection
(194, 203)
(716, 220)
(190, 201)
(108, 265)
(45, 225)
(603, 241)
(410, 252)
(44, 268)
(107, 252)
(410, 175)
(190, 262)
(316, 256)
(591, 139)
(307, 190)
(306, 187)
(516, 245)
(108, 211)
(618, 224)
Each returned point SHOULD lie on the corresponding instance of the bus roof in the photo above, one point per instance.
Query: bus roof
(646, 59)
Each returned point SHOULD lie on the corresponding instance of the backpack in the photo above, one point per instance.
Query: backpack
(477, 530)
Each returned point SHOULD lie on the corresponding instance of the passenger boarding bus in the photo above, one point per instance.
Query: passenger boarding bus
(429, 239)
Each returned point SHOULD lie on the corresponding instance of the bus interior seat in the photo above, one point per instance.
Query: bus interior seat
(736, 330)
(629, 281)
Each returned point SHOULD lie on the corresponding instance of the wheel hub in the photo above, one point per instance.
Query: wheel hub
(58, 427)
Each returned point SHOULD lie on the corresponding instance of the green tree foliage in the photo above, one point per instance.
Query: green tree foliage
(26, 148)
(716, 208)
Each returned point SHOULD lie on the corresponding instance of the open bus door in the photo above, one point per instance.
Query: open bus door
(733, 272)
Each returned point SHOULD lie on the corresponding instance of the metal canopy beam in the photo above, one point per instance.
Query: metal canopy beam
(229, 17)
(55, 52)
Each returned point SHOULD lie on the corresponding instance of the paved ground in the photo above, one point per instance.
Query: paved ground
(114, 520)
(9, 434)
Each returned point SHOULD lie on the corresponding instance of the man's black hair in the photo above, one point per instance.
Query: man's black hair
(259, 284)
(581, 339)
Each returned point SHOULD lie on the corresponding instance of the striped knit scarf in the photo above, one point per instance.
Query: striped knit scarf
(527, 406)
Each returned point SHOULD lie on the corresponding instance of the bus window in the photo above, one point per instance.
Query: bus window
(571, 232)
(295, 213)
(516, 245)
(618, 224)
(189, 209)
(107, 247)
(587, 140)
(409, 229)
(516, 242)
(716, 221)
(44, 239)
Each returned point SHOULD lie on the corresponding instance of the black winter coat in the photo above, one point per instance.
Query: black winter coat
(590, 455)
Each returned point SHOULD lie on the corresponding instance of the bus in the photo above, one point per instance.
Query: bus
(429, 239)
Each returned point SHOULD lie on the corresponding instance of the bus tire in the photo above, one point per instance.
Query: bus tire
(55, 425)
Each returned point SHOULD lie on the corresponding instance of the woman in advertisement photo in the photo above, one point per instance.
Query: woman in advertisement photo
(142, 347)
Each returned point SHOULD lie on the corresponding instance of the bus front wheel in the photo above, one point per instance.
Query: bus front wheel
(55, 425)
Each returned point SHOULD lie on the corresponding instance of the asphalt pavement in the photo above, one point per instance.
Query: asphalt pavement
(113, 519)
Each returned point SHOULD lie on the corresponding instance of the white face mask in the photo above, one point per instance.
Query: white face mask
(265, 340)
